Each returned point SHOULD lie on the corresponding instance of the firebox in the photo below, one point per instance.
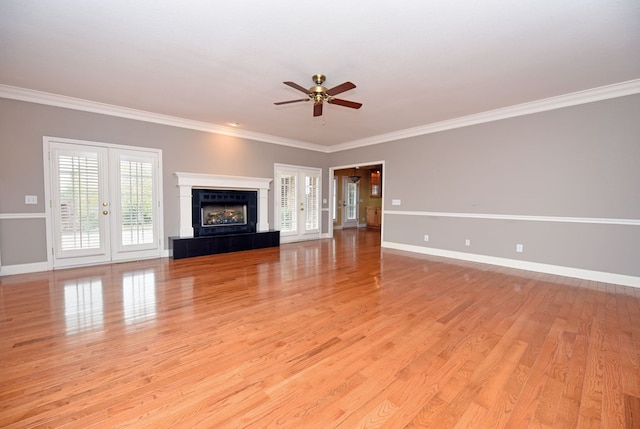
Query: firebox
(218, 211)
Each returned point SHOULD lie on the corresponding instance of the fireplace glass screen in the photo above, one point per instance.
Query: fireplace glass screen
(223, 214)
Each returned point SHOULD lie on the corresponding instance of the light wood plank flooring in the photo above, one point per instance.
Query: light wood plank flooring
(324, 334)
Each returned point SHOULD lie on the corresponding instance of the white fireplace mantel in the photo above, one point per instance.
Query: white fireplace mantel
(188, 181)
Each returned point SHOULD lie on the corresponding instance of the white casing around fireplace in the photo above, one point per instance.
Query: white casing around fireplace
(188, 181)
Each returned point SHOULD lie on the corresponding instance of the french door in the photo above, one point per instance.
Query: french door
(104, 202)
(350, 198)
(297, 205)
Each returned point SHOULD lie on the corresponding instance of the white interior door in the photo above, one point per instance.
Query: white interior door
(350, 195)
(298, 210)
(105, 203)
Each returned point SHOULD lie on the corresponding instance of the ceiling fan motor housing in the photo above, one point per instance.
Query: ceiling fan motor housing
(318, 93)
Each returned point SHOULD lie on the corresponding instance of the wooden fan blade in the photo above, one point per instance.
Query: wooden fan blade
(341, 88)
(290, 101)
(345, 103)
(296, 86)
(317, 109)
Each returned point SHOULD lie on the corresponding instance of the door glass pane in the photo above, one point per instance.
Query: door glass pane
(136, 202)
(288, 203)
(335, 199)
(311, 204)
(78, 184)
(352, 206)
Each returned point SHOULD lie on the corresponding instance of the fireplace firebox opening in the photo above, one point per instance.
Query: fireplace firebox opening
(217, 211)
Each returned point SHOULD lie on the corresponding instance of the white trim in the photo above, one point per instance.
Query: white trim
(35, 267)
(49, 99)
(187, 181)
(572, 99)
(579, 273)
(4, 216)
(607, 221)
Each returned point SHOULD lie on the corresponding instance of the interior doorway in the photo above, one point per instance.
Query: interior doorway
(356, 191)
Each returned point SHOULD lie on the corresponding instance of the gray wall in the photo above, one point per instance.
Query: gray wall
(22, 126)
(575, 162)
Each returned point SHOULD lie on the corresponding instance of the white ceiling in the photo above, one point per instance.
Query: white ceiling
(414, 62)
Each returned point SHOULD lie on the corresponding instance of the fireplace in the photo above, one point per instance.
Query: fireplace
(217, 211)
(232, 215)
(189, 181)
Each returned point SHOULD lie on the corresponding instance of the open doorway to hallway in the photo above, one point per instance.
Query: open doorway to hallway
(357, 196)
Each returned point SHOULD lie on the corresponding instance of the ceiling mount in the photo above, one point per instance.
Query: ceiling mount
(319, 78)
(319, 94)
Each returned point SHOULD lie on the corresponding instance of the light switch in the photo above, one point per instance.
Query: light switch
(396, 202)
(31, 199)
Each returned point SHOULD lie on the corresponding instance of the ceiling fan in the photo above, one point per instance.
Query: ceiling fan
(319, 94)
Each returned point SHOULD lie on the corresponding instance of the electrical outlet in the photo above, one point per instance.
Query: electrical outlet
(31, 199)
(396, 202)
(467, 242)
(519, 248)
(426, 237)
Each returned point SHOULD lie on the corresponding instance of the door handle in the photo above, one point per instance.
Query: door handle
(105, 212)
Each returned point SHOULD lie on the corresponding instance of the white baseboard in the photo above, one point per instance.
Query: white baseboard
(9, 270)
(599, 276)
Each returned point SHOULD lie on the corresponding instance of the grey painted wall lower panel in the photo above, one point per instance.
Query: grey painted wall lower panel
(597, 247)
(29, 234)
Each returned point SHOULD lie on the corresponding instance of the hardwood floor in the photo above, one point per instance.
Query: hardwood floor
(324, 334)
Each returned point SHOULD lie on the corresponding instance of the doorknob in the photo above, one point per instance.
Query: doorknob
(105, 212)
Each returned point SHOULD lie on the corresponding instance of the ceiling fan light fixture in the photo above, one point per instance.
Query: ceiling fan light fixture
(319, 94)
(354, 177)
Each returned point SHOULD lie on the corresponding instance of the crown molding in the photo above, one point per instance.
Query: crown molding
(49, 99)
(572, 99)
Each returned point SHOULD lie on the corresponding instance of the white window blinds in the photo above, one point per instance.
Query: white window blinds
(136, 202)
(288, 203)
(78, 184)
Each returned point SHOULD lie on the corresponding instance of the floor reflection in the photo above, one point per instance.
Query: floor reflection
(83, 305)
(138, 296)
